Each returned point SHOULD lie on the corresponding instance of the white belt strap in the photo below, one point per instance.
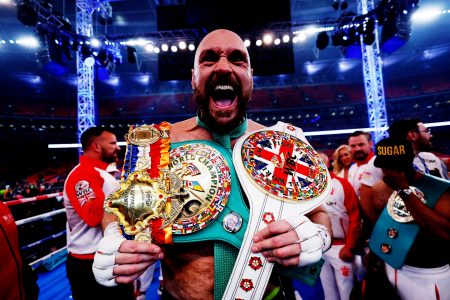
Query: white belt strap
(282, 176)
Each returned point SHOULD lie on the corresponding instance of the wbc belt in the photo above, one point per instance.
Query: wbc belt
(214, 208)
(282, 175)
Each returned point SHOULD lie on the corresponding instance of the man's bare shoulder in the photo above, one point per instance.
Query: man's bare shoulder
(188, 130)
(252, 126)
(186, 125)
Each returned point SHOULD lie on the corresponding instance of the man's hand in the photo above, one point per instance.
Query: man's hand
(395, 180)
(118, 260)
(346, 254)
(292, 242)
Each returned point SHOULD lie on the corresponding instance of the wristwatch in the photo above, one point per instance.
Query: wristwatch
(404, 193)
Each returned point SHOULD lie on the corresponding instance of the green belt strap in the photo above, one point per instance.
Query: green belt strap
(224, 258)
(400, 244)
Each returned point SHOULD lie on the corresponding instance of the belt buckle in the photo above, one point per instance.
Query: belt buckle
(396, 207)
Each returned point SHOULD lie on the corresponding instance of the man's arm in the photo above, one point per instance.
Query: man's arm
(367, 202)
(373, 199)
(118, 260)
(108, 218)
(320, 216)
(85, 193)
(436, 221)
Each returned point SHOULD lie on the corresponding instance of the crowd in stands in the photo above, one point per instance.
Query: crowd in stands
(25, 189)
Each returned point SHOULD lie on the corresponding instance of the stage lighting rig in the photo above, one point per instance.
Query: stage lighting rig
(366, 29)
(50, 56)
(131, 55)
(396, 20)
(322, 40)
(342, 4)
(26, 14)
(335, 5)
(33, 12)
(52, 26)
(104, 12)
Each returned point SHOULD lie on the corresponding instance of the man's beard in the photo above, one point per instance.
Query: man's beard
(202, 101)
(108, 158)
(428, 147)
(360, 156)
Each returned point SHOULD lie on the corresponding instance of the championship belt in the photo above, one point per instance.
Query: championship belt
(149, 193)
(214, 208)
(395, 230)
(282, 176)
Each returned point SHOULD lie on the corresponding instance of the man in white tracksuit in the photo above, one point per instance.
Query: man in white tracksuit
(337, 273)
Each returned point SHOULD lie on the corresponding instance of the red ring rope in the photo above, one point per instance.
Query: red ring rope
(32, 199)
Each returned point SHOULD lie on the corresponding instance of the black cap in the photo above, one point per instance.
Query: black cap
(394, 154)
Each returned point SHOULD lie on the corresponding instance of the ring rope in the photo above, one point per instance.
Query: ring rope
(35, 264)
(53, 259)
(32, 199)
(41, 216)
(53, 236)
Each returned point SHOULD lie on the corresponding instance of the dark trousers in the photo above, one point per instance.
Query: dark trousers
(85, 287)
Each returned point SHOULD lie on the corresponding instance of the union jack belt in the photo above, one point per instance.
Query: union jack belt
(282, 175)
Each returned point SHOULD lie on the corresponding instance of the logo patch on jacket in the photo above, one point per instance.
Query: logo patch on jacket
(345, 271)
(84, 192)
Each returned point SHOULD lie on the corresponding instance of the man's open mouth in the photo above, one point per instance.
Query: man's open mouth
(223, 95)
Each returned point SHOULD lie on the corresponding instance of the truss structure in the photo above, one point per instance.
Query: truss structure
(373, 81)
(85, 86)
(371, 60)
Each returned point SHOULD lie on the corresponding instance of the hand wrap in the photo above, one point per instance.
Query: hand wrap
(105, 256)
(314, 239)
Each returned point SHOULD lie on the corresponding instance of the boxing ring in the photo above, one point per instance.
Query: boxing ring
(59, 253)
(50, 268)
(52, 280)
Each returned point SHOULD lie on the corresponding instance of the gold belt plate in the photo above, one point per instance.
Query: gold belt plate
(397, 209)
(144, 135)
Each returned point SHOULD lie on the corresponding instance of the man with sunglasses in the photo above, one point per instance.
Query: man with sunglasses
(420, 137)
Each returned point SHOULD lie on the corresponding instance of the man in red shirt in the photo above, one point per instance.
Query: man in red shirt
(85, 190)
